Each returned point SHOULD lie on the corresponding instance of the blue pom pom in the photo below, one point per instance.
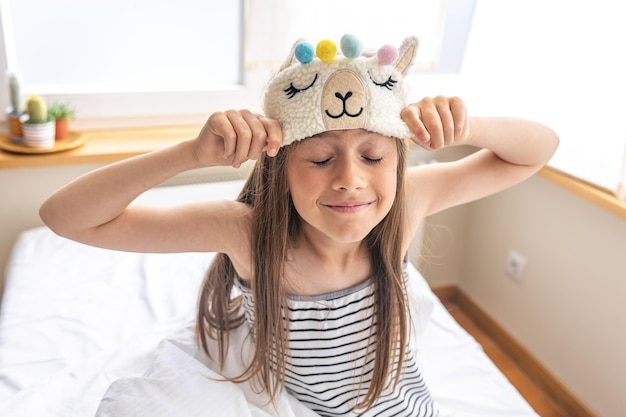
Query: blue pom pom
(351, 46)
(304, 52)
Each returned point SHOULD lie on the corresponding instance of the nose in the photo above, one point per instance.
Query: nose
(349, 174)
(343, 98)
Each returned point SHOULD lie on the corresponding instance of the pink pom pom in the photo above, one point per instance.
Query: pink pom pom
(387, 54)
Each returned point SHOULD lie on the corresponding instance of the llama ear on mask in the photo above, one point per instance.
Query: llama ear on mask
(406, 54)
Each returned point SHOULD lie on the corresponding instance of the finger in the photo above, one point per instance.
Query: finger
(465, 132)
(432, 121)
(238, 149)
(447, 120)
(220, 126)
(459, 114)
(259, 134)
(274, 135)
(411, 116)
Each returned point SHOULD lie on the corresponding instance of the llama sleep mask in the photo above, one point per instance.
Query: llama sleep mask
(317, 90)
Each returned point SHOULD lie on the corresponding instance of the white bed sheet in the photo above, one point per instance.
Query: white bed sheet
(75, 319)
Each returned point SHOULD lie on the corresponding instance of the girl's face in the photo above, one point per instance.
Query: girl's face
(342, 183)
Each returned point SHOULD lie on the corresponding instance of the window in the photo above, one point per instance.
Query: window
(126, 46)
(127, 58)
(159, 61)
(558, 62)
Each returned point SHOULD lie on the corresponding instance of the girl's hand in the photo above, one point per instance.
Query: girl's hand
(234, 136)
(437, 122)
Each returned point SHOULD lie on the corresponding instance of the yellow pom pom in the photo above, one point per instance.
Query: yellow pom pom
(326, 50)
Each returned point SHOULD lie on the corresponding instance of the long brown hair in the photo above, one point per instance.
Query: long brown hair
(275, 222)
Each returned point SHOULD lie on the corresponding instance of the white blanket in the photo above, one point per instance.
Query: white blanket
(183, 381)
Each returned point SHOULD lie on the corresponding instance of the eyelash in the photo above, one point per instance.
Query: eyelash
(321, 163)
(291, 91)
(372, 161)
(389, 84)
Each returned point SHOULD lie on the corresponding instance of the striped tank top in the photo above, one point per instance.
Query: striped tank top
(330, 359)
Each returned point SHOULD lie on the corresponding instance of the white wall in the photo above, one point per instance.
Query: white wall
(569, 309)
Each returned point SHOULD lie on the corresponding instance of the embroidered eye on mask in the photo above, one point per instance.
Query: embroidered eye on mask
(318, 89)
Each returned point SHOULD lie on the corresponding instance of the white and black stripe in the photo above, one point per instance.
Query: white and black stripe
(331, 356)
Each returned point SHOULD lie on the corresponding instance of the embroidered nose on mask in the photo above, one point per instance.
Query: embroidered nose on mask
(344, 101)
(345, 110)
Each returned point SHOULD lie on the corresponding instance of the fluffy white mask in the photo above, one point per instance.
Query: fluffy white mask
(313, 94)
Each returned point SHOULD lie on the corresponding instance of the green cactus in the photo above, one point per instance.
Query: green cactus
(14, 88)
(37, 109)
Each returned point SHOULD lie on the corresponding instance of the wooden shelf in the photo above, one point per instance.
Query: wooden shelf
(104, 146)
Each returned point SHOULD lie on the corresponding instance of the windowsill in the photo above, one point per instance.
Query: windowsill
(106, 146)
(589, 192)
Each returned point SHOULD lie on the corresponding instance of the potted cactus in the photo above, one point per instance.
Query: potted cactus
(62, 113)
(38, 127)
(14, 112)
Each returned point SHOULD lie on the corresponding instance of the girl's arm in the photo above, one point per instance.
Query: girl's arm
(95, 209)
(512, 151)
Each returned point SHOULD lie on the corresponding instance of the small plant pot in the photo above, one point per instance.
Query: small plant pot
(15, 126)
(39, 135)
(62, 130)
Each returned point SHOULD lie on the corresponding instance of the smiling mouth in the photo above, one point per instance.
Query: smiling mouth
(348, 207)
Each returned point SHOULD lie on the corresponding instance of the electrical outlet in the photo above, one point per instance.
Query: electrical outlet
(515, 265)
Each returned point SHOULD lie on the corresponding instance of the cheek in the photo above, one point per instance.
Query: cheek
(304, 192)
(300, 185)
(302, 181)
(389, 184)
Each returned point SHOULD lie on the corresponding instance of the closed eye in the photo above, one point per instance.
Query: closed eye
(373, 160)
(291, 91)
(321, 163)
(387, 84)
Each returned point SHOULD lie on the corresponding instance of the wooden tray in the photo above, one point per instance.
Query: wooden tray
(74, 140)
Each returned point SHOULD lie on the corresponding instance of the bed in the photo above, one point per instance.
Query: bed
(87, 331)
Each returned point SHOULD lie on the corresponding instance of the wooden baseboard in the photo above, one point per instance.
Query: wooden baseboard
(533, 368)
(446, 293)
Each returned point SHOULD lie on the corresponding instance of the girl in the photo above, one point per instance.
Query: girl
(317, 239)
